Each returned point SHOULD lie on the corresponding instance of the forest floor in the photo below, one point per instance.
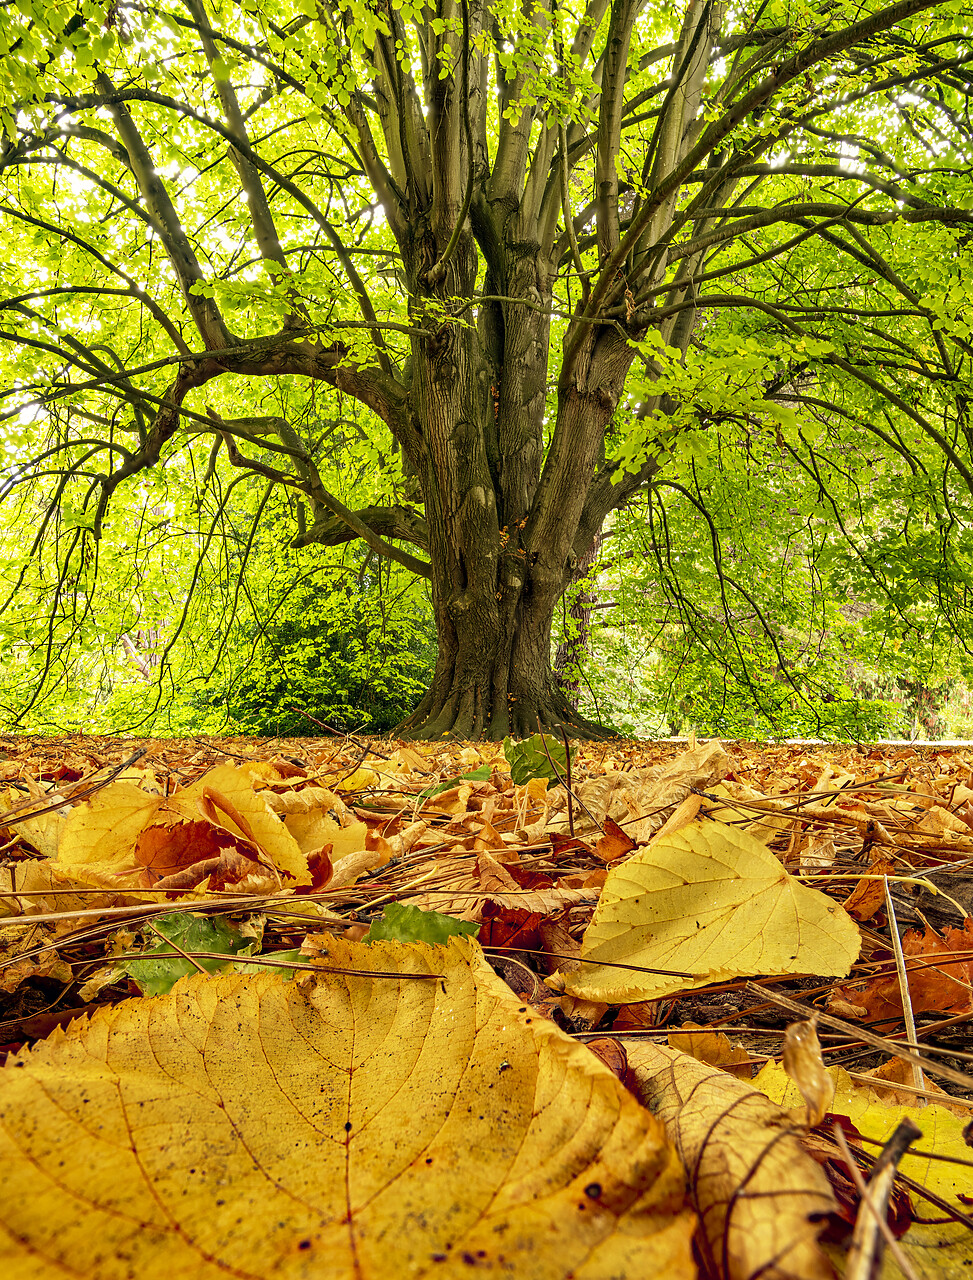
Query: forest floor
(681, 898)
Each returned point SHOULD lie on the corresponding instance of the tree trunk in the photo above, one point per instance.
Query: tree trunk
(493, 678)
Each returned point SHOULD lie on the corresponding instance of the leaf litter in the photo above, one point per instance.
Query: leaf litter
(621, 896)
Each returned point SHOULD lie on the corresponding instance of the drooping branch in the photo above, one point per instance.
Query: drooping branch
(265, 232)
(209, 322)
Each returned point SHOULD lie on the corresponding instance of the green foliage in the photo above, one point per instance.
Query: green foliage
(191, 933)
(402, 922)
(475, 775)
(539, 756)
(344, 658)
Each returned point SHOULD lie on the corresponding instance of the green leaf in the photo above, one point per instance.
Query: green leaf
(535, 757)
(477, 775)
(192, 933)
(402, 922)
(293, 954)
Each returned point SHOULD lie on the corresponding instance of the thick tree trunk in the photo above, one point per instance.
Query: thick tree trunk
(491, 681)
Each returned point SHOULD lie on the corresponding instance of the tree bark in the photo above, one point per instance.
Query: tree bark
(492, 680)
(576, 641)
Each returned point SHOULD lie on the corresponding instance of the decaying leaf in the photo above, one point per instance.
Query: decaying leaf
(350, 1126)
(757, 1193)
(712, 902)
(946, 986)
(642, 800)
(802, 1061)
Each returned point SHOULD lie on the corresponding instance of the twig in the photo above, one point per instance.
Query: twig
(872, 1232)
(567, 757)
(7, 820)
(271, 963)
(918, 1079)
(563, 783)
(175, 946)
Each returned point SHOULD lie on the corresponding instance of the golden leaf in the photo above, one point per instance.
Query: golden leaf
(350, 1126)
(712, 1047)
(712, 902)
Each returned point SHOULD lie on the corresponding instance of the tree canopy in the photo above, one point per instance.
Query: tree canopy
(538, 264)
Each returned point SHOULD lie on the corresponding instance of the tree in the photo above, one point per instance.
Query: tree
(476, 220)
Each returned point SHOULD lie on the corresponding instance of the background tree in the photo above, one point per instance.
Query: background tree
(474, 221)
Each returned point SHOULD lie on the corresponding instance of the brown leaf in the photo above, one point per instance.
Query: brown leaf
(943, 989)
(756, 1192)
(615, 843)
(803, 1063)
(164, 849)
(868, 896)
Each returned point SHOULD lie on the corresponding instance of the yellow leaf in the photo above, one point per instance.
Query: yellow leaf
(260, 822)
(360, 780)
(712, 902)
(104, 829)
(352, 1126)
(712, 1047)
(754, 1187)
(44, 883)
(43, 830)
(937, 1251)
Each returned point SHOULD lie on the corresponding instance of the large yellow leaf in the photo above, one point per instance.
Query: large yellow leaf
(757, 1192)
(103, 830)
(355, 1126)
(710, 901)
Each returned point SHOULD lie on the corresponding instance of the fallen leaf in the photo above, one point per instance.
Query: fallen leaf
(801, 1059)
(350, 1126)
(712, 902)
(898, 1071)
(945, 988)
(643, 800)
(103, 831)
(712, 1047)
(868, 896)
(755, 1190)
(249, 813)
(940, 1250)
(614, 844)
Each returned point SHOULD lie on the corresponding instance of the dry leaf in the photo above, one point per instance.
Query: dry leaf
(712, 902)
(868, 896)
(614, 844)
(946, 988)
(938, 1250)
(898, 1071)
(641, 801)
(801, 1058)
(351, 1126)
(712, 1047)
(754, 1188)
